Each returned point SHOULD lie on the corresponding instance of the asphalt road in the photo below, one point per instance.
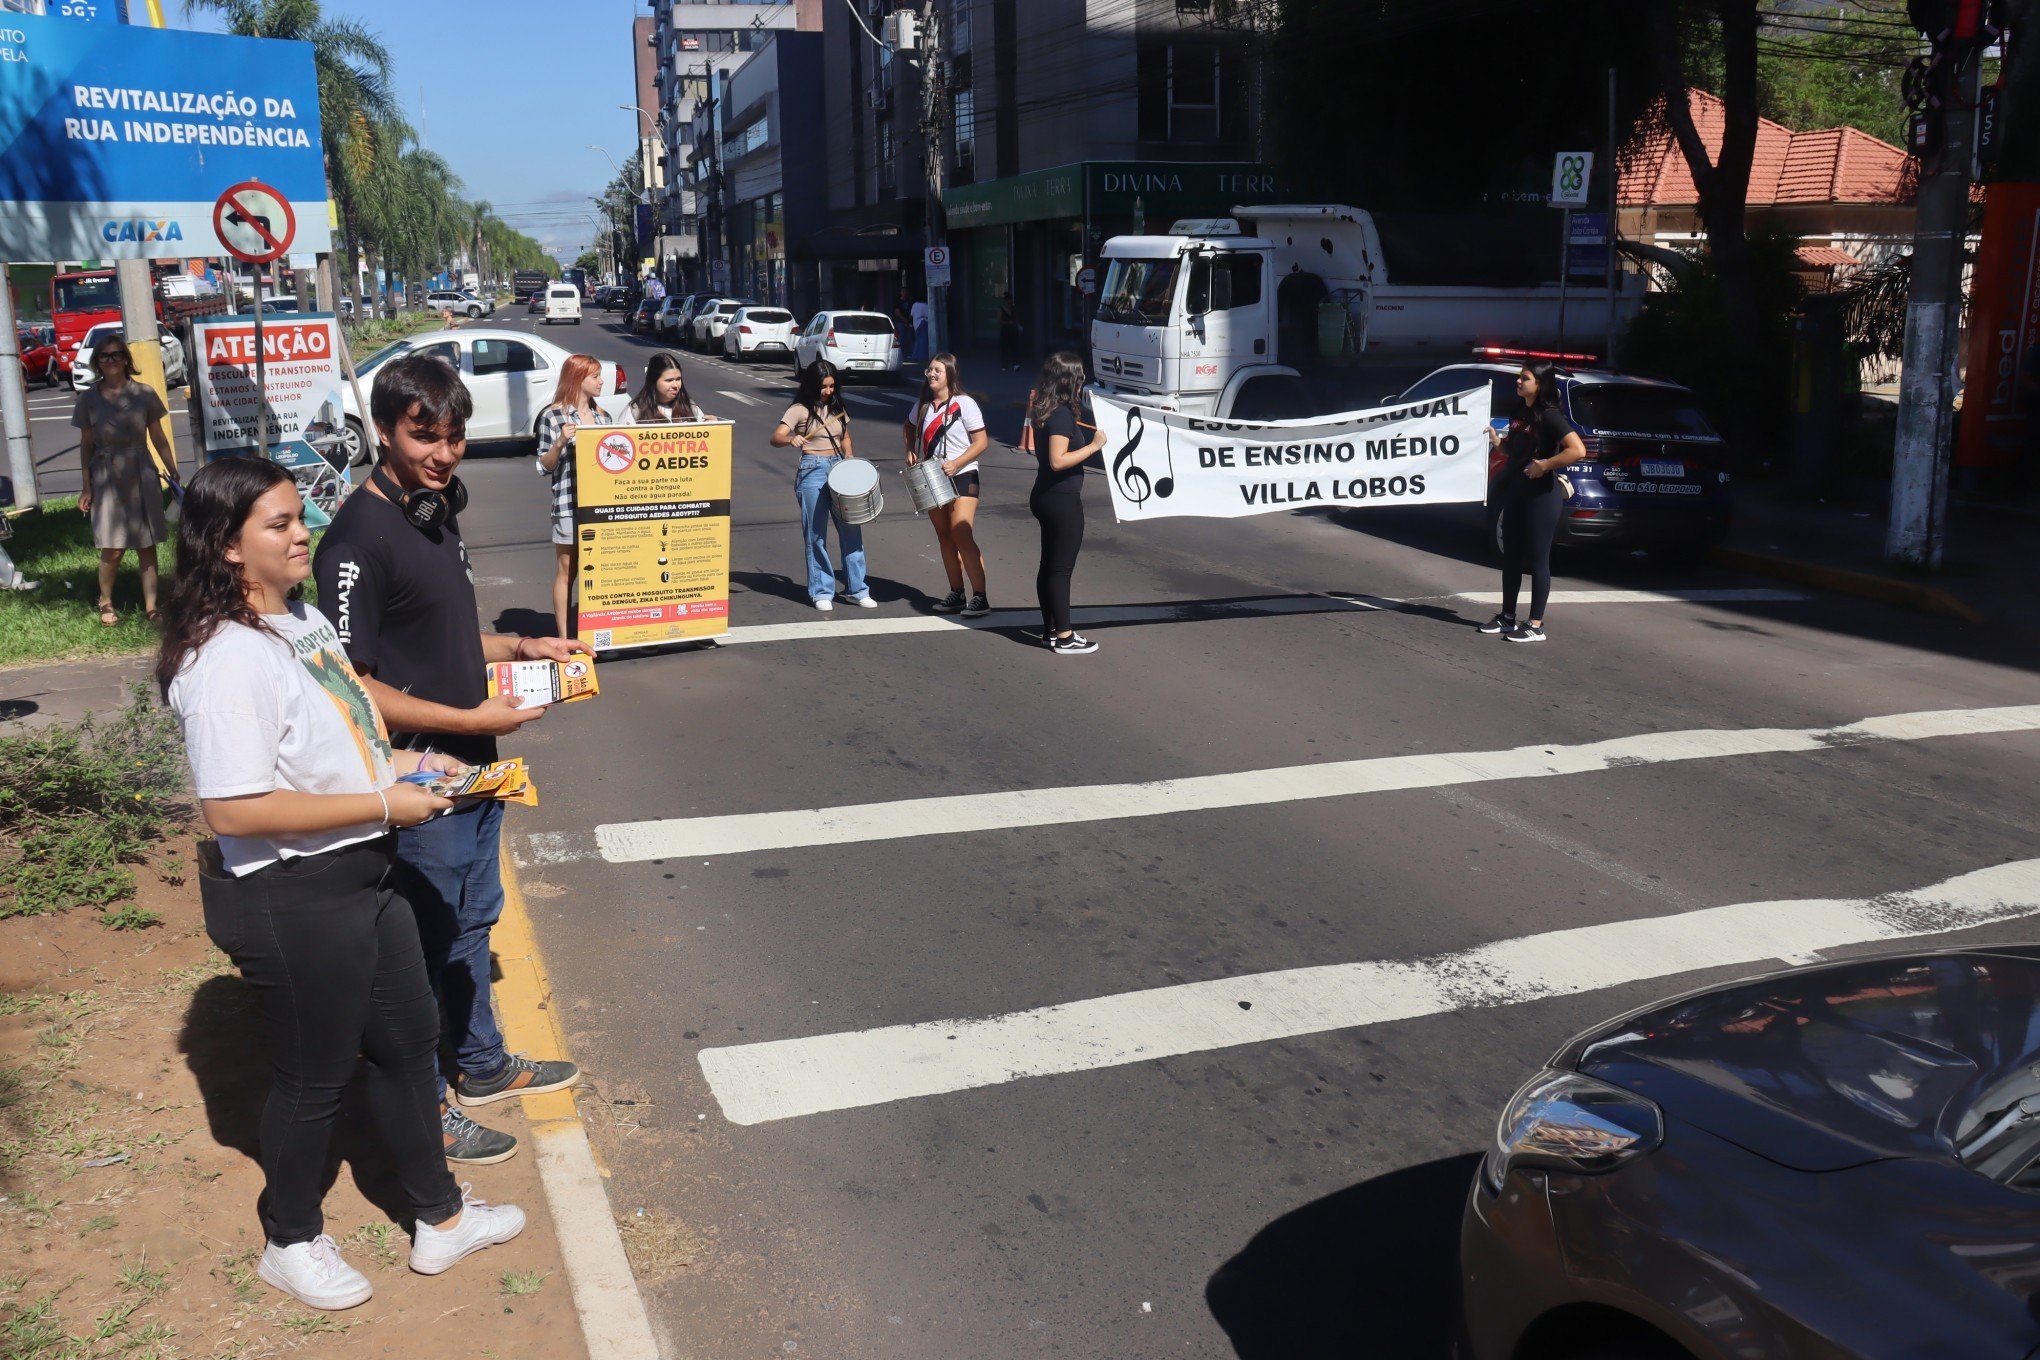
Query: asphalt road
(1270, 1165)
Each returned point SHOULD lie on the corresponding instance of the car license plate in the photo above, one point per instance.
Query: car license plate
(1654, 468)
(865, 363)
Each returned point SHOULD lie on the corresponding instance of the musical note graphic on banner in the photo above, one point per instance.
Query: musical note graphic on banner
(1131, 478)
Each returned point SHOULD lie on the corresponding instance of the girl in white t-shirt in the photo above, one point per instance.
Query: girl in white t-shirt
(947, 425)
(297, 780)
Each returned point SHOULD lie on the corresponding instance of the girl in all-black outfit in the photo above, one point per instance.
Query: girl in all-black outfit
(1060, 448)
(1541, 442)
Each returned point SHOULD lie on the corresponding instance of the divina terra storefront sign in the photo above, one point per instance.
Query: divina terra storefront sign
(1157, 191)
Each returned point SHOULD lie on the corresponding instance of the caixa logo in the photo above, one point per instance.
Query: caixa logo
(119, 229)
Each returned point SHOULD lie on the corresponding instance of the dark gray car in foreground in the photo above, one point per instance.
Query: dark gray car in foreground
(1836, 1161)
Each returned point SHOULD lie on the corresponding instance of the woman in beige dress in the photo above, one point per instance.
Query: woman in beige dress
(118, 418)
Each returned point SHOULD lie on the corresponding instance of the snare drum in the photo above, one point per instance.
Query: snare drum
(853, 489)
(929, 485)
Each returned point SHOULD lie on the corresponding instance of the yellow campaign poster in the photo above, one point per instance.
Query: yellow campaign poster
(652, 523)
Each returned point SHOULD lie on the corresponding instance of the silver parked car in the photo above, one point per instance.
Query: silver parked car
(855, 342)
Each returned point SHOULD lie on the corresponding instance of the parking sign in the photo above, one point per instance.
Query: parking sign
(935, 260)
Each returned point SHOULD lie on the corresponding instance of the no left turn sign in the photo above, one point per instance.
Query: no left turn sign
(254, 222)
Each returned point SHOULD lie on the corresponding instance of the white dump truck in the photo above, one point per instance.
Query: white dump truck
(1224, 316)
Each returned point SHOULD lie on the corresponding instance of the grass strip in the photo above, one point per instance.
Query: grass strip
(58, 620)
(81, 803)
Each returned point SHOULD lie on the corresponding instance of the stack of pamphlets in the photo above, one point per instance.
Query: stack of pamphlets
(506, 781)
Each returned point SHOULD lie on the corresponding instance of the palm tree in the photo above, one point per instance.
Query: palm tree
(356, 100)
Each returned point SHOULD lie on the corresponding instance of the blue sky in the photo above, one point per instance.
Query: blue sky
(511, 93)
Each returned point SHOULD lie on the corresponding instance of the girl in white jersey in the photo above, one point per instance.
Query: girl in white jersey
(947, 425)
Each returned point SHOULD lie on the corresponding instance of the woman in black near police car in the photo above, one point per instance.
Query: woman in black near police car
(1540, 444)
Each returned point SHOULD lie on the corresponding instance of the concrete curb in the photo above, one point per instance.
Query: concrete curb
(1865, 585)
(614, 1324)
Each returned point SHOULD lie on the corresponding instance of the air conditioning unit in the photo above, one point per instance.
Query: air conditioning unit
(902, 31)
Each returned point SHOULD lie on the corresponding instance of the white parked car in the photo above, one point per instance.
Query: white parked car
(671, 314)
(510, 374)
(855, 342)
(759, 331)
(562, 303)
(712, 319)
(83, 374)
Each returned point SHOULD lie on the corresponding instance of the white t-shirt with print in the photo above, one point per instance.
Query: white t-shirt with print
(969, 420)
(263, 712)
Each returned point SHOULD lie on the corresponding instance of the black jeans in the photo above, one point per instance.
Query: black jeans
(332, 954)
(1529, 523)
(1061, 513)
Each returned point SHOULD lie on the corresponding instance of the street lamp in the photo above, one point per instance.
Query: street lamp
(642, 195)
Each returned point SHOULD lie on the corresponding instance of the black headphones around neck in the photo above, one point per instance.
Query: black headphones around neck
(425, 508)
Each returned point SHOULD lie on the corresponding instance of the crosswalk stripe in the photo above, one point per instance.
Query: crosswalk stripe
(738, 396)
(838, 626)
(786, 1078)
(862, 400)
(741, 833)
(1022, 618)
(1696, 596)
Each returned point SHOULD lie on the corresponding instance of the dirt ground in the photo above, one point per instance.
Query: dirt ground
(132, 1074)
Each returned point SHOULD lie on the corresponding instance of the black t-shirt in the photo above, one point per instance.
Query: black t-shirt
(1534, 434)
(403, 602)
(1063, 421)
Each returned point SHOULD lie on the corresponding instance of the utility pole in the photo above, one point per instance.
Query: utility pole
(933, 90)
(1918, 528)
(14, 409)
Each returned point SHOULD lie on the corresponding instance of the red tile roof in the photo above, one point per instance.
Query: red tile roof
(1833, 165)
(1825, 257)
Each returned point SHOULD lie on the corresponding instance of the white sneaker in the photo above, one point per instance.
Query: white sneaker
(436, 1250)
(825, 604)
(313, 1274)
(863, 601)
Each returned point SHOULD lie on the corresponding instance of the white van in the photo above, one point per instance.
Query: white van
(562, 303)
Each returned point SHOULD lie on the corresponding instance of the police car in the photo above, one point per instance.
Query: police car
(1656, 472)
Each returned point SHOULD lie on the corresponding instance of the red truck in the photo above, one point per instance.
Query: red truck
(84, 298)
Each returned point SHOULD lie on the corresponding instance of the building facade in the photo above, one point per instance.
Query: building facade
(1060, 123)
(695, 48)
(771, 163)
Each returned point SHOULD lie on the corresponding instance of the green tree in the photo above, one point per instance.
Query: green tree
(356, 99)
(1840, 67)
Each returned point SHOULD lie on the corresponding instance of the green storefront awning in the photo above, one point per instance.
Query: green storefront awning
(1163, 190)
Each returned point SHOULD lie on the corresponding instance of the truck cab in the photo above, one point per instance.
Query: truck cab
(1187, 322)
(1224, 316)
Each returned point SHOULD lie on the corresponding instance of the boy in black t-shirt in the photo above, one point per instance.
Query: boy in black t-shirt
(394, 578)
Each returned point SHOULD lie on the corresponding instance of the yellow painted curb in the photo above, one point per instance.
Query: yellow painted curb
(524, 997)
(1863, 584)
(614, 1323)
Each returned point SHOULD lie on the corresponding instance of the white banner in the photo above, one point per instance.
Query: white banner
(1161, 463)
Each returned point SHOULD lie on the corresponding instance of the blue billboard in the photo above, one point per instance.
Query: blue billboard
(115, 140)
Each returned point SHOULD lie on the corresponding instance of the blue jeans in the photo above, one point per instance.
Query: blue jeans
(450, 870)
(811, 487)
